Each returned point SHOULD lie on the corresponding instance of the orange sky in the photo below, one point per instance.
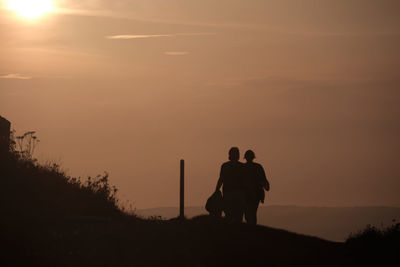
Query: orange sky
(131, 87)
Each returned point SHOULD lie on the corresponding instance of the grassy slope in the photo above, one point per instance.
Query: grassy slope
(30, 188)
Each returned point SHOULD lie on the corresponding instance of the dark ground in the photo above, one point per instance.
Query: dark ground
(330, 223)
(128, 241)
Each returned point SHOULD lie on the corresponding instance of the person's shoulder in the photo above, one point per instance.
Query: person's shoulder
(258, 165)
(225, 164)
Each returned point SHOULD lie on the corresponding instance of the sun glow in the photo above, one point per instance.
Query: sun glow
(31, 8)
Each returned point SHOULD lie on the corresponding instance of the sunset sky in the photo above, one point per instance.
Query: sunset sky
(132, 86)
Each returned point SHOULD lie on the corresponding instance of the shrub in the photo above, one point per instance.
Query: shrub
(371, 234)
(376, 247)
(29, 187)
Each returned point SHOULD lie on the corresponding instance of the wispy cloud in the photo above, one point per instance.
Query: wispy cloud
(143, 36)
(16, 76)
(176, 53)
(138, 36)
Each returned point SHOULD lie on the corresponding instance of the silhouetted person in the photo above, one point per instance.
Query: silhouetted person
(231, 180)
(255, 183)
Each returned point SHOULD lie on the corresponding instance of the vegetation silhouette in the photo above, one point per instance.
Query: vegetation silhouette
(29, 187)
(51, 219)
(374, 247)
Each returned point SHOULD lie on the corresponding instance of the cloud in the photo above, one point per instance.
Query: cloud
(139, 36)
(16, 76)
(176, 53)
(144, 36)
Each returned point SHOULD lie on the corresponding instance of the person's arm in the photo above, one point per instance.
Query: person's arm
(266, 187)
(264, 180)
(220, 180)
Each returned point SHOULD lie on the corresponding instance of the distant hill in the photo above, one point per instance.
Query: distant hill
(331, 223)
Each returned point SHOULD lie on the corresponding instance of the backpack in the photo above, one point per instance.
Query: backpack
(214, 204)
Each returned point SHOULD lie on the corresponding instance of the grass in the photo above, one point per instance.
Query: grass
(30, 188)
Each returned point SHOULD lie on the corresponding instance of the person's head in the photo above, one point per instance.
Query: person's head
(234, 154)
(249, 155)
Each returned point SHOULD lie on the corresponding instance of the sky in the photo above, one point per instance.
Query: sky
(132, 86)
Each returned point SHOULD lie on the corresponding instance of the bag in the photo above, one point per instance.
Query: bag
(214, 204)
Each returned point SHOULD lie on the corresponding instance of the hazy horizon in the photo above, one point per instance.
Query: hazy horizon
(131, 87)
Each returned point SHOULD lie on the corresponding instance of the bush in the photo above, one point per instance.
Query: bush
(371, 234)
(30, 188)
(374, 246)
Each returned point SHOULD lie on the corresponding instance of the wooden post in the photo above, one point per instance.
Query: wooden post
(182, 191)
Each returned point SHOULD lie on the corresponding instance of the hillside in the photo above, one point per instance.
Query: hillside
(102, 241)
(331, 223)
(51, 219)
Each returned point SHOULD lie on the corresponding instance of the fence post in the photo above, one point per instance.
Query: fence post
(182, 191)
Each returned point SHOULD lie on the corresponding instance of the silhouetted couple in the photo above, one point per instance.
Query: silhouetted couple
(243, 186)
